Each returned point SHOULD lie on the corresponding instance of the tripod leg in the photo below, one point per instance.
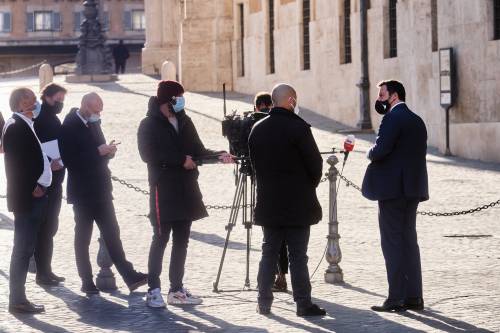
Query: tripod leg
(233, 216)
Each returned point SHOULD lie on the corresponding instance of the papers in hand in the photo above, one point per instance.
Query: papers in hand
(51, 149)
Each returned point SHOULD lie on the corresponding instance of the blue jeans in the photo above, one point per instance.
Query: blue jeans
(26, 225)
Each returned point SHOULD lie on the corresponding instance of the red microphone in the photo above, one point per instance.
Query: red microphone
(348, 146)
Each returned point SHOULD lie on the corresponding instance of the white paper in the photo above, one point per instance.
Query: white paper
(51, 149)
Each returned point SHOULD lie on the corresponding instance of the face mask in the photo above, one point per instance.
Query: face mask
(179, 104)
(37, 110)
(94, 118)
(382, 107)
(296, 109)
(264, 110)
(58, 106)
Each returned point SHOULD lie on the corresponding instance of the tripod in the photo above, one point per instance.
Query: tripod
(240, 200)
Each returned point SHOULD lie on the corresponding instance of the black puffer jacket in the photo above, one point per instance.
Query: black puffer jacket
(175, 194)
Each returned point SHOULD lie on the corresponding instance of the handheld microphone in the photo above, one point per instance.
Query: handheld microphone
(348, 146)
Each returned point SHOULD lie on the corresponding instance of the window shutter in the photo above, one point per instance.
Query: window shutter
(127, 20)
(30, 18)
(77, 21)
(7, 23)
(105, 23)
(56, 21)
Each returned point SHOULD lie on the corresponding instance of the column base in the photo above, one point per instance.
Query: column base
(334, 276)
(153, 59)
(105, 280)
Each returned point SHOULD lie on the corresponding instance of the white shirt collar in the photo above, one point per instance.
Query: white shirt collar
(396, 105)
(85, 121)
(26, 119)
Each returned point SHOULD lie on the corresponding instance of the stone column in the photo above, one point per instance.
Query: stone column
(45, 75)
(162, 34)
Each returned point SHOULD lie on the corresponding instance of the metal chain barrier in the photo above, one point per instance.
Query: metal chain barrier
(20, 70)
(427, 213)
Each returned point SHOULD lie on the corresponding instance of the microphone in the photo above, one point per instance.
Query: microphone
(348, 146)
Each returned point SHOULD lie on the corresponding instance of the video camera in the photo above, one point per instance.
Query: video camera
(237, 128)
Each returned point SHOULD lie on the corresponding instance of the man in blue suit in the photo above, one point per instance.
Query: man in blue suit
(397, 178)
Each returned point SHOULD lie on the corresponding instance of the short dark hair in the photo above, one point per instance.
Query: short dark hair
(263, 98)
(51, 89)
(394, 86)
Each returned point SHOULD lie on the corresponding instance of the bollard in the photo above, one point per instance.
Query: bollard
(333, 254)
(168, 71)
(45, 75)
(105, 280)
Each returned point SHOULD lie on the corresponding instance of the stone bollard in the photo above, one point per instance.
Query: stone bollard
(168, 71)
(105, 280)
(333, 254)
(45, 75)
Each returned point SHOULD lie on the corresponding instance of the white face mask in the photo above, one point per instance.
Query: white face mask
(94, 118)
(296, 109)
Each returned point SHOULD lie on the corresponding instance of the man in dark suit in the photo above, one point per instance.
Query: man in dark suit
(47, 127)
(28, 176)
(287, 204)
(86, 155)
(397, 178)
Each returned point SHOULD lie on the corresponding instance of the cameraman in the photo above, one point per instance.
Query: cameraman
(169, 144)
(262, 102)
(286, 196)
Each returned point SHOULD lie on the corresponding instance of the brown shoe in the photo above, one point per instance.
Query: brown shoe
(280, 284)
(26, 307)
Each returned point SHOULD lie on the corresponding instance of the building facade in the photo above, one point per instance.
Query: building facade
(35, 30)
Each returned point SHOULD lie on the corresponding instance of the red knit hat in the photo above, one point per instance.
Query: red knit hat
(167, 90)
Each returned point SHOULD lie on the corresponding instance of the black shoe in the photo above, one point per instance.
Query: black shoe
(390, 306)
(414, 303)
(263, 310)
(312, 310)
(280, 284)
(57, 278)
(46, 281)
(26, 307)
(140, 280)
(89, 288)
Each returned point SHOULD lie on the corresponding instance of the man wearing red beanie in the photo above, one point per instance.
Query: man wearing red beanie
(169, 144)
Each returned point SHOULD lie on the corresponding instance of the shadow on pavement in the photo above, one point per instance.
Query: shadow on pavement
(439, 322)
(33, 322)
(216, 240)
(6, 222)
(117, 87)
(101, 313)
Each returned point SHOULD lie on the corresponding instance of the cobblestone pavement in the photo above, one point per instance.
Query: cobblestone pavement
(460, 255)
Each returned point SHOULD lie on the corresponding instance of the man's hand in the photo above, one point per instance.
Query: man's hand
(226, 158)
(189, 163)
(105, 149)
(38, 192)
(55, 165)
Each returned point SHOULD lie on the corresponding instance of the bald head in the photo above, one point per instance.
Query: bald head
(284, 95)
(91, 103)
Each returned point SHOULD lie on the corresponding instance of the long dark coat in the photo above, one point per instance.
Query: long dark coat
(174, 191)
(288, 167)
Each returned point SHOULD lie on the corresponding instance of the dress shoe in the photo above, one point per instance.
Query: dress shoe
(312, 310)
(57, 278)
(26, 307)
(139, 280)
(89, 288)
(46, 281)
(414, 303)
(263, 310)
(390, 306)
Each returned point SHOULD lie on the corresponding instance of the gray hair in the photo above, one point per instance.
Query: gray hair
(17, 95)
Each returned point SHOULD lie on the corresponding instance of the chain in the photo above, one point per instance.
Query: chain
(427, 213)
(323, 180)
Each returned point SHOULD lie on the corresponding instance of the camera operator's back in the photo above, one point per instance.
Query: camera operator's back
(288, 168)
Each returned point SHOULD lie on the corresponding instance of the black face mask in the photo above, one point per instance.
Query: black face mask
(382, 107)
(58, 106)
(264, 110)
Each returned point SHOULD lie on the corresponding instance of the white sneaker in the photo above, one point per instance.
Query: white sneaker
(183, 297)
(154, 299)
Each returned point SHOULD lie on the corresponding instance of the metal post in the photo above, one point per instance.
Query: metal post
(447, 152)
(333, 254)
(365, 122)
(105, 280)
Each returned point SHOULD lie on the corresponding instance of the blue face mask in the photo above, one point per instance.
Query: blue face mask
(179, 104)
(94, 118)
(37, 110)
